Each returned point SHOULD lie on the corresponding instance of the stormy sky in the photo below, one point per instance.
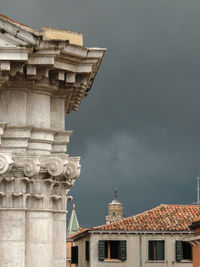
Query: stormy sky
(138, 130)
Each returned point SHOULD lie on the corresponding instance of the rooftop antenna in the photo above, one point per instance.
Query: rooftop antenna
(198, 190)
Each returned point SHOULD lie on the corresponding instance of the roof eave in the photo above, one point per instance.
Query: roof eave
(141, 232)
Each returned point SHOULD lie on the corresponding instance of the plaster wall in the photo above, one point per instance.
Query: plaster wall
(133, 250)
(68, 249)
(81, 252)
(196, 255)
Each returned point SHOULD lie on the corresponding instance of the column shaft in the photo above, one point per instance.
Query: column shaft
(39, 246)
(12, 238)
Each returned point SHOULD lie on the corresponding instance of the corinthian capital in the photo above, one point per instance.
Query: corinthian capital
(73, 168)
(32, 167)
(6, 162)
(57, 167)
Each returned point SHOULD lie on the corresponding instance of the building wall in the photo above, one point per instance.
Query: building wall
(133, 250)
(196, 255)
(69, 244)
(81, 252)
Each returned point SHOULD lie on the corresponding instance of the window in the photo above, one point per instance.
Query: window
(112, 250)
(74, 255)
(87, 250)
(156, 250)
(183, 251)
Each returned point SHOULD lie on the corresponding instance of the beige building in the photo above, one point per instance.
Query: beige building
(153, 238)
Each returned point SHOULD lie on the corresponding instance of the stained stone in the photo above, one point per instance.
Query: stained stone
(43, 75)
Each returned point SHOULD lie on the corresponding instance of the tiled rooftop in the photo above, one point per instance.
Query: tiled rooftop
(166, 217)
(81, 231)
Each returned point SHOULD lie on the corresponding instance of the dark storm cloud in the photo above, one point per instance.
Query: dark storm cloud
(139, 127)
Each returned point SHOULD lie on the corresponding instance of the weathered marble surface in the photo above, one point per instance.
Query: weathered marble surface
(40, 80)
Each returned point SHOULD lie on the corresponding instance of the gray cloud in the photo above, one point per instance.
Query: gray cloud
(138, 129)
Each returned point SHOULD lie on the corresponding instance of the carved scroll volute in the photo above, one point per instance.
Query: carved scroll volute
(6, 163)
(32, 167)
(73, 168)
(56, 167)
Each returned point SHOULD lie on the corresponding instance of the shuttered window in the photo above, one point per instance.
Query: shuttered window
(123, 250)
(112, 250)
(183, 251)
(74, 255)
(156, 250)
(178, 251)
(101, 250)
(87, 250)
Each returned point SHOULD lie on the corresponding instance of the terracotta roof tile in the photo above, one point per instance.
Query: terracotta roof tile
(13, 21)
(167, 217)
(83, 230)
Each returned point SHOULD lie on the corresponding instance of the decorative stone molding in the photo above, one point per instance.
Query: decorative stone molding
(6, 162)
(73, 168)
(66, 67)
(2, 126)
(56, 167)
(33, 193)
(33, 140)
(32, 168)
(60, 167)
(36, 181)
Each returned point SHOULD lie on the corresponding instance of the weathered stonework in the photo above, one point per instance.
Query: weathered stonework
(40, 80)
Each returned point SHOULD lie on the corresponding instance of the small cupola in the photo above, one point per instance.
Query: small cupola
(115, 210)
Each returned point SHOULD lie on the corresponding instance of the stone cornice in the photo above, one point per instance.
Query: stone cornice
(37, 62)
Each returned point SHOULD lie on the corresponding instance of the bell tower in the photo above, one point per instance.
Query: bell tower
(115, 210)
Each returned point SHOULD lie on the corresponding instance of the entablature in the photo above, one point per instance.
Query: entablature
(30, 55)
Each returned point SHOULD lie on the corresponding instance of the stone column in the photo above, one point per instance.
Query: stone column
(43, 75)
(33, 209)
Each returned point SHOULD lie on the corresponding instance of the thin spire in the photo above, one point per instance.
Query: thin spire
(116, 192)
(73, 226)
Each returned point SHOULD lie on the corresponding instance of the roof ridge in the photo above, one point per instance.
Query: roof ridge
(163, 217)
(14, 21)
(125, 219)
(179, 204)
